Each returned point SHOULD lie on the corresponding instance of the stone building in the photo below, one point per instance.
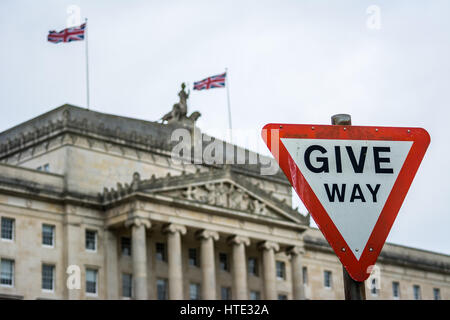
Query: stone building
(100, 194)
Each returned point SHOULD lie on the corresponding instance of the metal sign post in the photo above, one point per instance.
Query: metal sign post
(354, 290)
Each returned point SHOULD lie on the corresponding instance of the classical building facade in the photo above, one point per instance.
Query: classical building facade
(92, 206)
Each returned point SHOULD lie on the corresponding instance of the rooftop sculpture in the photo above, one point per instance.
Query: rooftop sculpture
(180, 109)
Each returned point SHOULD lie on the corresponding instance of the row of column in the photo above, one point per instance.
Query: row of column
(207, 263)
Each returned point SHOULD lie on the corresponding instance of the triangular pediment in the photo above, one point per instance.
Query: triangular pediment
(212, 190)
(224, 189)
(224, 194)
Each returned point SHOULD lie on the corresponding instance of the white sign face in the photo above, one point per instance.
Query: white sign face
(351, 178)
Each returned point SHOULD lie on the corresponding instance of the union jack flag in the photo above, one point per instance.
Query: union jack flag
(67, 35)
(217, 81)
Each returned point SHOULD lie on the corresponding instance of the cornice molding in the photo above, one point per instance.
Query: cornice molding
(167, 183)
(95, 125)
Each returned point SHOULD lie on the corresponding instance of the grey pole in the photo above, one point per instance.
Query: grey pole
(87, 63)
(354, 290)
(227, 84)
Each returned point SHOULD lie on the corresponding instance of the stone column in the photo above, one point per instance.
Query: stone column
(298, 288)
(139, 255)
(269, 269)
(239, 267)
(73, 245)
(207, 260)
(111, 264)
(174, 233)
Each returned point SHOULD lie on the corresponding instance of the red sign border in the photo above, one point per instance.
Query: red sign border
(358, 270)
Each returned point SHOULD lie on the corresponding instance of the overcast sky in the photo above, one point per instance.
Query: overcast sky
(288, 61)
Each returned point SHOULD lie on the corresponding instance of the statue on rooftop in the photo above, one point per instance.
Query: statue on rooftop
(179, 110)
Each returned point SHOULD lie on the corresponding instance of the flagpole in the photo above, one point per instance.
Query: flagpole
(228, 102)
(87, 64)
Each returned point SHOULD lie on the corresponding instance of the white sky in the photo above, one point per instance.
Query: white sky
(289, 61)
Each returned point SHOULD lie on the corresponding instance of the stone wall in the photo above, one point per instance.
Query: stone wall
(406, 271)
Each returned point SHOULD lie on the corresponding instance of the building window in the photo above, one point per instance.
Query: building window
(161, 251)
(125, 245)
(45, 168)
(255, 295)
(48, 235)
(253, 266)
(7, 273)
(194, 291)
(305, 275)
(91, 240)
(193, 257)
(127, 285)
(161, 289)
(373, 287)
(416, 291)
(437, 293)
(7, 229)
(327, 279)
(281, 270)
(282, 297)
(223, 262)
(91, 281)
(225, 293)
(396, 290)
(48, 277)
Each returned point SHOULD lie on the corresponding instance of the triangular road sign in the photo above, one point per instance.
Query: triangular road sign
(352, 180)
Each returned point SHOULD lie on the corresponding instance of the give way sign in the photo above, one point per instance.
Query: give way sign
(352, 180)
